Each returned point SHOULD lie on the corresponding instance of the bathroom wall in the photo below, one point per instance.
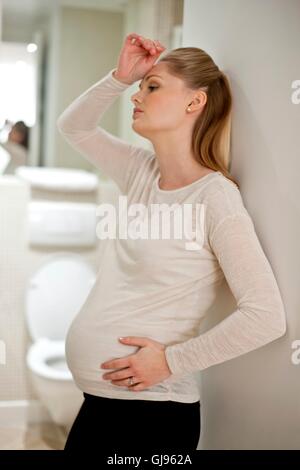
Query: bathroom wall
(0, 20)
(252, 402)
(78, 58)
(14, 261)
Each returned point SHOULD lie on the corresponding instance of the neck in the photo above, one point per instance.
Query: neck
(179, 170)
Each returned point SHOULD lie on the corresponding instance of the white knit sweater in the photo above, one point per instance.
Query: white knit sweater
(156, 288)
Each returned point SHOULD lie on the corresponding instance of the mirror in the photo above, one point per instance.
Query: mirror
(50, 53)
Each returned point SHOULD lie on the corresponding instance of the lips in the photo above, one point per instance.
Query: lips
(136, 111)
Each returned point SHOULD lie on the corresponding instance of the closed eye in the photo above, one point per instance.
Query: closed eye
(150, 86)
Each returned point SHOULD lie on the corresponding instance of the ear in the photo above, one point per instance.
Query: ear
(199, 100)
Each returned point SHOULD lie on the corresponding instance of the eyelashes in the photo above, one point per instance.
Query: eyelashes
(150, 87)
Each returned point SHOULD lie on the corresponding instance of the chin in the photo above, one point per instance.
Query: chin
(139, 132)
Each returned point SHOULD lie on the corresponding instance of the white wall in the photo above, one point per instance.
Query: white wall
(78, 57)
(0, 20)
(15, 195)
(253, 402)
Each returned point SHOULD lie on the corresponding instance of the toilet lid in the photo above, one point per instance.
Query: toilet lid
(56, 293)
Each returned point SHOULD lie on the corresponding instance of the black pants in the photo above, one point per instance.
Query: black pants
(112, 424)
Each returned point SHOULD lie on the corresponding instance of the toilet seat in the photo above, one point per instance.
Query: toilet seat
(55, 294)
(44, 350)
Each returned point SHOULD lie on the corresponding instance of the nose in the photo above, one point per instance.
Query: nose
(134, 98)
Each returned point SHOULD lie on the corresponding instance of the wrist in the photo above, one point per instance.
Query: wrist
(120, 79)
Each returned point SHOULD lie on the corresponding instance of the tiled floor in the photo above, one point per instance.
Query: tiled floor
(42, 436)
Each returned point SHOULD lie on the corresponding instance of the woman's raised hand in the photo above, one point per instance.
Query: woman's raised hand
(136, 58)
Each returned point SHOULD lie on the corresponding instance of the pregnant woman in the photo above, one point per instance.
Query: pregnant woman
(134, 349)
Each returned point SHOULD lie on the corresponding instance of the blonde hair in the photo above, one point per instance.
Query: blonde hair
(212, 129)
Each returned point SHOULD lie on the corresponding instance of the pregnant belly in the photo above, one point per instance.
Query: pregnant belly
(86, 349)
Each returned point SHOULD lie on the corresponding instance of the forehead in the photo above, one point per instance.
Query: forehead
(156, 70)
(160, 71)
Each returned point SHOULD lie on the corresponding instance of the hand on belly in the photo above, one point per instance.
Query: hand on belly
(148, 366)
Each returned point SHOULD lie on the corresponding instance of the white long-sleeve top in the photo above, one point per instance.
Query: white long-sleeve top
(157, 288)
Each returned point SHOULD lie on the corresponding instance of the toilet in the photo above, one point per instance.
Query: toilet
(55, 294)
